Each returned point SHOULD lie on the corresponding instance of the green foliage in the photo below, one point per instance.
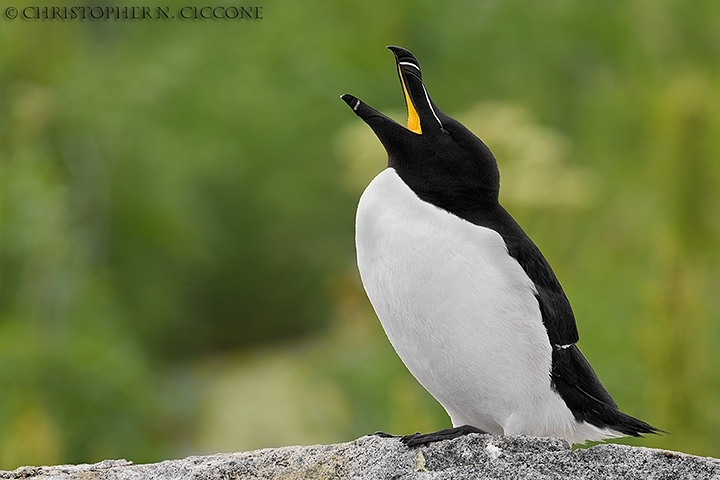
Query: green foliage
(171, 190)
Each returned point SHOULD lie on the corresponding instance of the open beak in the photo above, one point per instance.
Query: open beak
(421, 112)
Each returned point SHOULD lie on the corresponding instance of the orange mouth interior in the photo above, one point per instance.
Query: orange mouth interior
(413, 120)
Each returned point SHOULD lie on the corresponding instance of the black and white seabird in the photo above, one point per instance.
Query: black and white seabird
(467, 300)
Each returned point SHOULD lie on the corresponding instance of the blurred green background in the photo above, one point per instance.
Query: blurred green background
(177, 209)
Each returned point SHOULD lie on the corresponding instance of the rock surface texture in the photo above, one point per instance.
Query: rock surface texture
(470, 457)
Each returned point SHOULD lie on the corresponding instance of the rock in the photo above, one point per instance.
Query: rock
(470, 457)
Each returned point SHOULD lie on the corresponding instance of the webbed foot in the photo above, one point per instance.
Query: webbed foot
(417, 439)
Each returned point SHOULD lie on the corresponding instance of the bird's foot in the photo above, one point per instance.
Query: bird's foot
(417, 439)
(382, 434)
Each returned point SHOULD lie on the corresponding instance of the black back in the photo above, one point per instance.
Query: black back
(571, 375)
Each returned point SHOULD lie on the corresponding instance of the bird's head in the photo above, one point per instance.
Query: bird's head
(437, 156)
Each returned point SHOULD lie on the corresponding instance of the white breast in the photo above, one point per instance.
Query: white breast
(460, 312)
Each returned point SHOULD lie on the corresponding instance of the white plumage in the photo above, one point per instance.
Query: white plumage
(461, 313)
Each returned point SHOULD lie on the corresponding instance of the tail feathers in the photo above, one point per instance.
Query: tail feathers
(632, 426)
(575, 381)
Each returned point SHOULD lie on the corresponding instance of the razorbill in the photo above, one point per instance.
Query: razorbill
(467, 300)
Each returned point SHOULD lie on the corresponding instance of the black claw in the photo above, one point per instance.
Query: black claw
(382, 434)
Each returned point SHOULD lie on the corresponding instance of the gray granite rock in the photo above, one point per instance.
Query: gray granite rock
(471, 457)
